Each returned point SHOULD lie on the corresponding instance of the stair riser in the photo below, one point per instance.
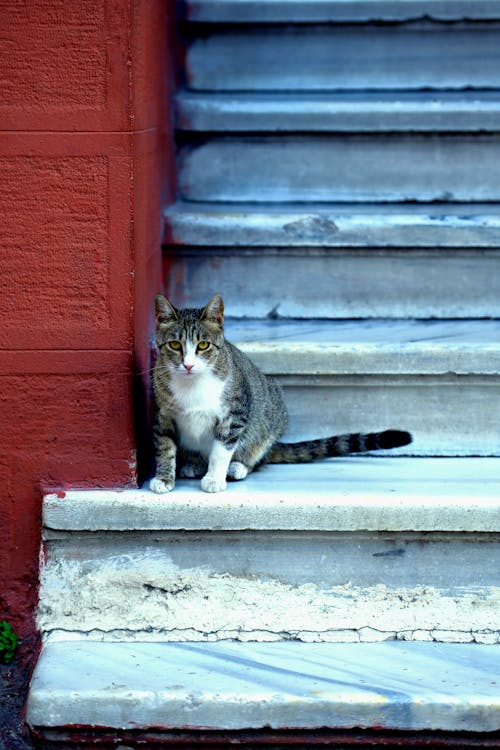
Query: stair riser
(341, 168)
(447, 416)
(210, 586)
(330, 283)
(345, 57)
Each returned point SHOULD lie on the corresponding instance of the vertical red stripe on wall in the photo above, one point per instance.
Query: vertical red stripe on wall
(85, 165)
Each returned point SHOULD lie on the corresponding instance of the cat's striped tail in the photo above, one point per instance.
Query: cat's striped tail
(337, 445)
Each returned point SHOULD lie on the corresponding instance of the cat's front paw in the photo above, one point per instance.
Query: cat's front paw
(213, 484)
(237, 470)
(161, 486)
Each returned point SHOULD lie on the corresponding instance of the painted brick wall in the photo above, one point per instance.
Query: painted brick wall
(84, 169)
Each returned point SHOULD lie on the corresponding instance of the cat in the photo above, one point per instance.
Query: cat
(217, 415)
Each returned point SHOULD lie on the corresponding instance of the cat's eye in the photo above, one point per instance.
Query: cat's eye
(203, 345)
(175, 345)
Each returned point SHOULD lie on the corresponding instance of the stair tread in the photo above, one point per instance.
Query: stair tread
(358, 493)
(393, 685)
(399, 347)
(353, 111)
(220, 11)
(444, 225)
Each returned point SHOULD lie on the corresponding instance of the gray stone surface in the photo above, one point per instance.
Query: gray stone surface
(350, 168)
(437, 379)
(345, 57)
(220, 11)
(370, 347)
(351, 494)
(229, 686)
(216, 585)
(333, 282)
(369, 226)
(470, 111)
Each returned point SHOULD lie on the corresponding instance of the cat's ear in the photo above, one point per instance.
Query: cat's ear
(214, 311)
(165, 312)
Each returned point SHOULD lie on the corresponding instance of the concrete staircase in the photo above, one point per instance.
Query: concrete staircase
(338, 183)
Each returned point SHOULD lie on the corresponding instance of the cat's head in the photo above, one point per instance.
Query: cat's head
(190, 340)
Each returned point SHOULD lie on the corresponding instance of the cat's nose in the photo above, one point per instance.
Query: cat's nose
(188, 367)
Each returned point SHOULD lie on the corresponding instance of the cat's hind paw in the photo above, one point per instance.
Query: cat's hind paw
(161, 486)
(189, 471)
(213, 484)
(237, 470)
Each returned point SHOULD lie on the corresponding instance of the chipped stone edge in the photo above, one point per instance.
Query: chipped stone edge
(365, 634)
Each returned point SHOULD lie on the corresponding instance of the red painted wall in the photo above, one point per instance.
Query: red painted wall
(85, 165)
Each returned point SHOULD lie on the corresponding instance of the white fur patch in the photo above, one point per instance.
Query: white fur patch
(237, 470)
(215, 478)
(199, 399)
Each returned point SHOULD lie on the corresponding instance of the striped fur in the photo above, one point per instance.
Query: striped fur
(337, 445)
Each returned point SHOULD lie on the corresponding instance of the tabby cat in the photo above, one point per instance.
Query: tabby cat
(217, 414)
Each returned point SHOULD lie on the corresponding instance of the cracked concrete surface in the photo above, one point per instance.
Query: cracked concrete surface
(149, 598)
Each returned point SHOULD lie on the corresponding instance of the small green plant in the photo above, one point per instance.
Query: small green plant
(8, 643)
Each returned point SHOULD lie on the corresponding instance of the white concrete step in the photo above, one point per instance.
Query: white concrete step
(341, 167)
(334, 261)
(448, 111)
(319, 56)
(440, 380)
(282, 685)
(307, 11)
(350, 550)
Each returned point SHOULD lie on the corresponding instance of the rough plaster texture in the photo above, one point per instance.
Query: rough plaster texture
(143, 598)
(82, 110)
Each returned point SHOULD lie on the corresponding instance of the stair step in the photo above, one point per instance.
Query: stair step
(341, 225)
(343, 57)
(336, 261)
(338, 284)
(293, 685)
(346, 550)
(470, 111)
(307, 11)
(349, 494)
(438, 379)
(341, 167)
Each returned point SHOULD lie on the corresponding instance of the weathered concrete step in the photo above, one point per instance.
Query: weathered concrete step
(348, 550)
(348, 168)
(438, 379)
(468, 111)
(349, 494)
(307, 11)
(341, 225)
(292, 685)
(336, 261)
(343, 57)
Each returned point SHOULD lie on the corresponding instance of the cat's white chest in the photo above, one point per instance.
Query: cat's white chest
(199, 401)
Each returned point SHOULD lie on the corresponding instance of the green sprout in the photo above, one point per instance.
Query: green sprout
(8, 642)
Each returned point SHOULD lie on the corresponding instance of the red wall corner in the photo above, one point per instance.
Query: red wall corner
(85, 166)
